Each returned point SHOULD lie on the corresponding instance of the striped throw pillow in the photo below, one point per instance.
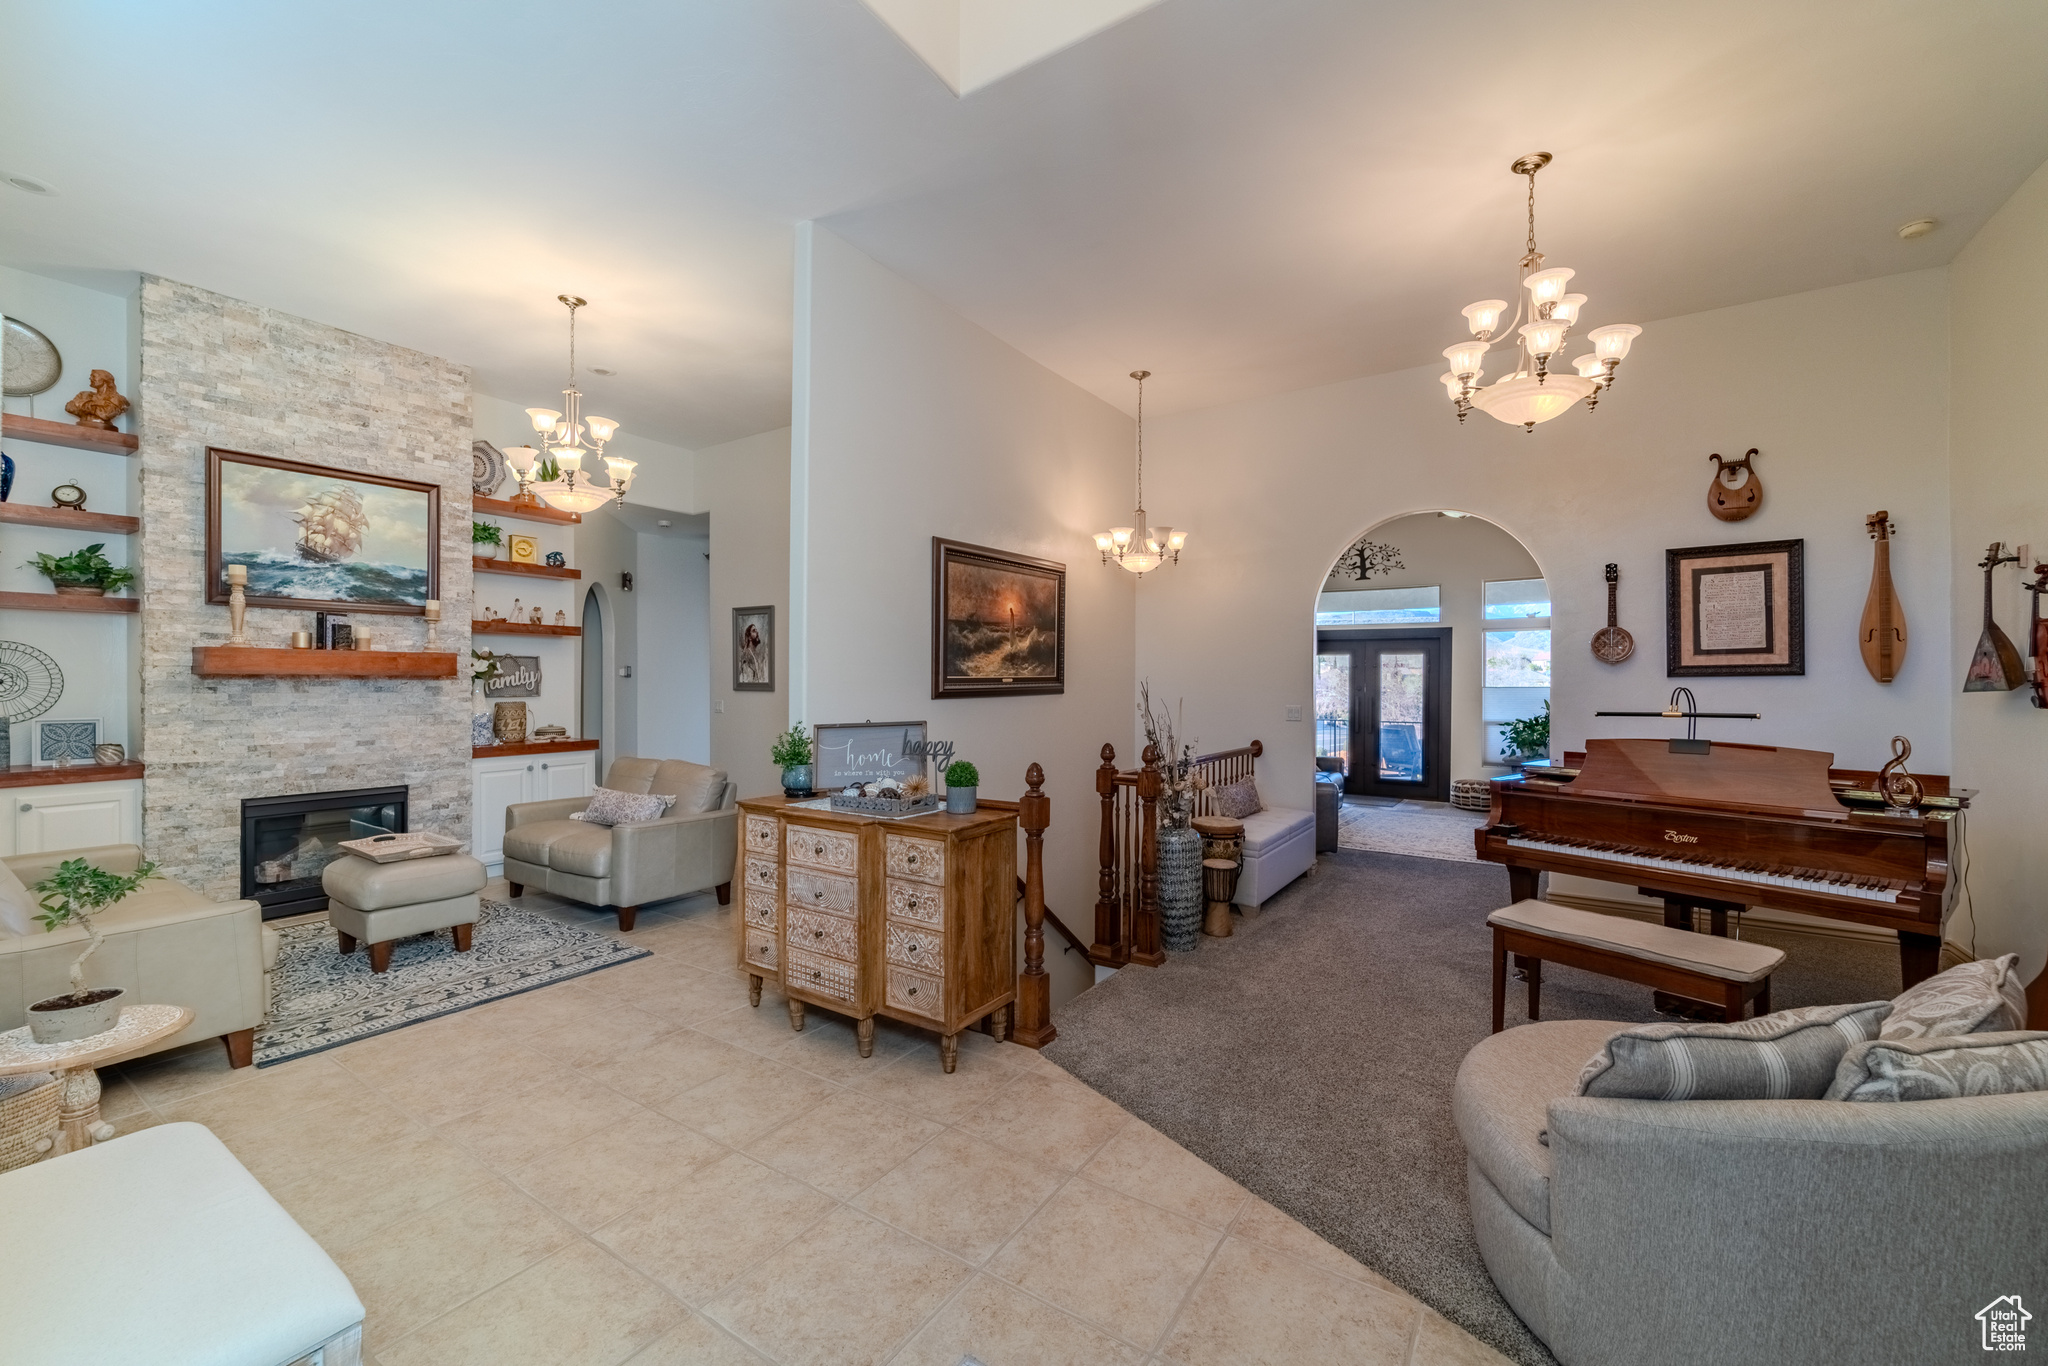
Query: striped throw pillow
(1791, 1054)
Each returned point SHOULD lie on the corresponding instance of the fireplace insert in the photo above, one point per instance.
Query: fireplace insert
(287, 841)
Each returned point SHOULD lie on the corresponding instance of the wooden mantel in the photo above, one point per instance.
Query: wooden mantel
(243, 661)
(44, 775)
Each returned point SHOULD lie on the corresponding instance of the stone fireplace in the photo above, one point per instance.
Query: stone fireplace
(287, 841)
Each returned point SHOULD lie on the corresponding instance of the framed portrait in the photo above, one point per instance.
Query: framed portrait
(317, 537)
(518, 676)
(753, 649)
(523, 549)
(999, 622)
(865, 752)
(1735, 609)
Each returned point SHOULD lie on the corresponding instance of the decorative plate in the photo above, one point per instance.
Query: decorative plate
(30, 681)
(489, 469)
(29, 359)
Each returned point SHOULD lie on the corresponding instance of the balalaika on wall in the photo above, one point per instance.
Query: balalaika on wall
(1735, 827)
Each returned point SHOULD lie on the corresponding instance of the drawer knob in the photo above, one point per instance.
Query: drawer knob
(820, 934)
(912, 860)
(911, 992)
(910, 903)
(817, 976)
(819, 850)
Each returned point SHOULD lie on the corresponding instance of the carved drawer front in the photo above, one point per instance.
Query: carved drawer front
(916, 902)
(913, 947)
(760, 909)
(761, 948)
(762, 836)
(924, 860)
(763, 875)
(822, 848)
(827, 934)
(917, 993)
(823, 892)
(820, 975)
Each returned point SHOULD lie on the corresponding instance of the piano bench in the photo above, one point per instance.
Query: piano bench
(1701, 967)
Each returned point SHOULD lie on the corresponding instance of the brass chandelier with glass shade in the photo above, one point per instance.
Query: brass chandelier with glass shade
(1534, 392)
(1140, 547)
(559, 461)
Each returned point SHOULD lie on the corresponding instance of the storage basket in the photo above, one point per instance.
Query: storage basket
(1473, 794)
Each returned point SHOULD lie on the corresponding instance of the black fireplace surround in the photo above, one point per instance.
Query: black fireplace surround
(287, 841)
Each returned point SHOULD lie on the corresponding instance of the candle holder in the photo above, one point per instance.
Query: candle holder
(433, 624)
(302, 640)
(238, 604)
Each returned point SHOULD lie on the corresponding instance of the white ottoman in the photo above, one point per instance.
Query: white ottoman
(159, 1246)
(379, 903)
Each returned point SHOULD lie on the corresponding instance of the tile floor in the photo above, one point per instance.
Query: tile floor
(636, 1166)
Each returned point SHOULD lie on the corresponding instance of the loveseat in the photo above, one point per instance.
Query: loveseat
(1666, 1233)
(165, 945)
(624, 867)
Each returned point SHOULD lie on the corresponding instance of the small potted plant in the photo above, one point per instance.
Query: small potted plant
(1526, 739)
(962, 782)
(79, 891)
(792, 754)
(485, 540)
(83, 573)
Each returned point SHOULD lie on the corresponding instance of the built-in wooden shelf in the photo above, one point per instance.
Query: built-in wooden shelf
(505, 507)
(66, 434)
(248, 661)
(513, 628)
(64, 519)
(531, 747)
(531, 571)
(67, 602)
(21, 775)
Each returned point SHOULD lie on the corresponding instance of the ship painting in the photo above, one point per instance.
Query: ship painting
(312, 536)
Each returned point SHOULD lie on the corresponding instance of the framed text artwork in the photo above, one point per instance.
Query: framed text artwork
(517, 676)
(999, 622)
(753, 649)
(312, 536)
(866, 752)
(1735, 609)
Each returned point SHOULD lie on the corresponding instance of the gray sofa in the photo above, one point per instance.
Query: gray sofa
(625, 867)
(1667, 1233)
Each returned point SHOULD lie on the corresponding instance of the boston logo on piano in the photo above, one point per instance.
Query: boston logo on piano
(1773, 827)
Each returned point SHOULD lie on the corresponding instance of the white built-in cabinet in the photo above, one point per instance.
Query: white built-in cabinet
(499, 782)
(37, 820)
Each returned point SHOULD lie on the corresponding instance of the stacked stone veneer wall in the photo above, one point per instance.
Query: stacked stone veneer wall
(219, 372)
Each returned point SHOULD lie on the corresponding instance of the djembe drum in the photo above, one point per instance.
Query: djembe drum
(1222, 861)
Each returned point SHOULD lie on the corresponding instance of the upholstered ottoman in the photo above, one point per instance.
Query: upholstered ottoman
(379, 903)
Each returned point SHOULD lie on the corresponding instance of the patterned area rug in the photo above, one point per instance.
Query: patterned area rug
(1424, 829)
(325, 1000)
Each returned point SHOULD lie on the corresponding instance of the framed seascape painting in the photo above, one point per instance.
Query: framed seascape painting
(313, 536)
(1735, 609)
(999, 622)
(753, 649)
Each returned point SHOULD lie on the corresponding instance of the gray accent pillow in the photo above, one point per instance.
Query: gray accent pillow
(1791, 1054)
(1238, 800)
(609, 806)
(1997, 1064)
(1970, 998)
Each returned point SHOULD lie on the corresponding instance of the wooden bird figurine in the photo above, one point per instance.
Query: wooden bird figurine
(99, 405)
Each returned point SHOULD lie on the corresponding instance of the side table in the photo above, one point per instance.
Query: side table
(74, 1063)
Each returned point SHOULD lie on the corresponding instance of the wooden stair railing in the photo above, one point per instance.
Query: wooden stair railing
(1034, 1027)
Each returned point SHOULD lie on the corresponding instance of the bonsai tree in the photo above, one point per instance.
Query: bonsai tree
(960, 773)
(86, 568)
(1529, 736)
(792, 748)
(79, 891)
(483, 533)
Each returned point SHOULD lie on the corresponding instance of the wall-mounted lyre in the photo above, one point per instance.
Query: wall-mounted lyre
(1883, 629)
(1736, 491)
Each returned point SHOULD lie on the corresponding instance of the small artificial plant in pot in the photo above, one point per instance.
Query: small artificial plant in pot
(792, 754)
(83, 573)
(77, 892)
(963, 782)
(486, 540)
(1526, 739)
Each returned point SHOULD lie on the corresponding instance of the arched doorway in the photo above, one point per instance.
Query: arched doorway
(594, 678)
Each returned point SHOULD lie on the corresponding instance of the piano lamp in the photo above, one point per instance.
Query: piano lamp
(1684, 704)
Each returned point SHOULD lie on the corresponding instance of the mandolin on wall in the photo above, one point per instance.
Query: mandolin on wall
(1883, 629)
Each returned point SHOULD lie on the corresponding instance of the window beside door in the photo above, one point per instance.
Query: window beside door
(1515, 679)
(1333, 708)
(1378, 607)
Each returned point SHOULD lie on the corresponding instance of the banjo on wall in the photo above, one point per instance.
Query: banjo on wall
(1611, 644)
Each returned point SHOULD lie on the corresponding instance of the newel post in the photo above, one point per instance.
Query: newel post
(1034, 1027)
(1145, 948)
(1109, 945)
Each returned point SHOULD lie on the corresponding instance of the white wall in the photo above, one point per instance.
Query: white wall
(92, 330)
(1998, 295)
(745, 486)
(672, 590)
(914, 423)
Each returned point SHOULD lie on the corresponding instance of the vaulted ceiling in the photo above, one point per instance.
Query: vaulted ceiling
(1244, 198)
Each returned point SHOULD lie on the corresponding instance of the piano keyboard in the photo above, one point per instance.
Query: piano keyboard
(1799, 879)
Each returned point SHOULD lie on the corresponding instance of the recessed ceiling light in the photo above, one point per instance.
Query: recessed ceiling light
(1919, 227)
(26, 183)
(600, 370)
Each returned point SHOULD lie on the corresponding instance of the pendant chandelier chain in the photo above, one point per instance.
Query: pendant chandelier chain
(1140, 547)
(1141, 444)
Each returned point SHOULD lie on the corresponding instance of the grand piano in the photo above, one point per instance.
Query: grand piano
(1734, 827)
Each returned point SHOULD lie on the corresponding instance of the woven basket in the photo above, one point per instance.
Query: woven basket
(1473, 794)
(28, 1117)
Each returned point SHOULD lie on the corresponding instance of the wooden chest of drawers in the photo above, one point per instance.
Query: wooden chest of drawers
(912, 919)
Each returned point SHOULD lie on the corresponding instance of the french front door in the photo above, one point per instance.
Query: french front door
(1399, 691)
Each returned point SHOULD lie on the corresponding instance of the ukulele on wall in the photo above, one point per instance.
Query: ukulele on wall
(1736, 491)
(1611, 644)
(1883, 630)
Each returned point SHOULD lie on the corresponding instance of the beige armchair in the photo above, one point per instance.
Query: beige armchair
(624, 867)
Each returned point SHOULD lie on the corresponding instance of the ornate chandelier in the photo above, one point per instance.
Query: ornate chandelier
(1534, 392)
(563, 483)
(1140, 547)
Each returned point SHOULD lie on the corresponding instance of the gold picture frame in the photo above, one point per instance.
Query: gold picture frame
(523, 549)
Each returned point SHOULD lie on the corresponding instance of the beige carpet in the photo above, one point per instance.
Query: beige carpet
(1424, 829)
